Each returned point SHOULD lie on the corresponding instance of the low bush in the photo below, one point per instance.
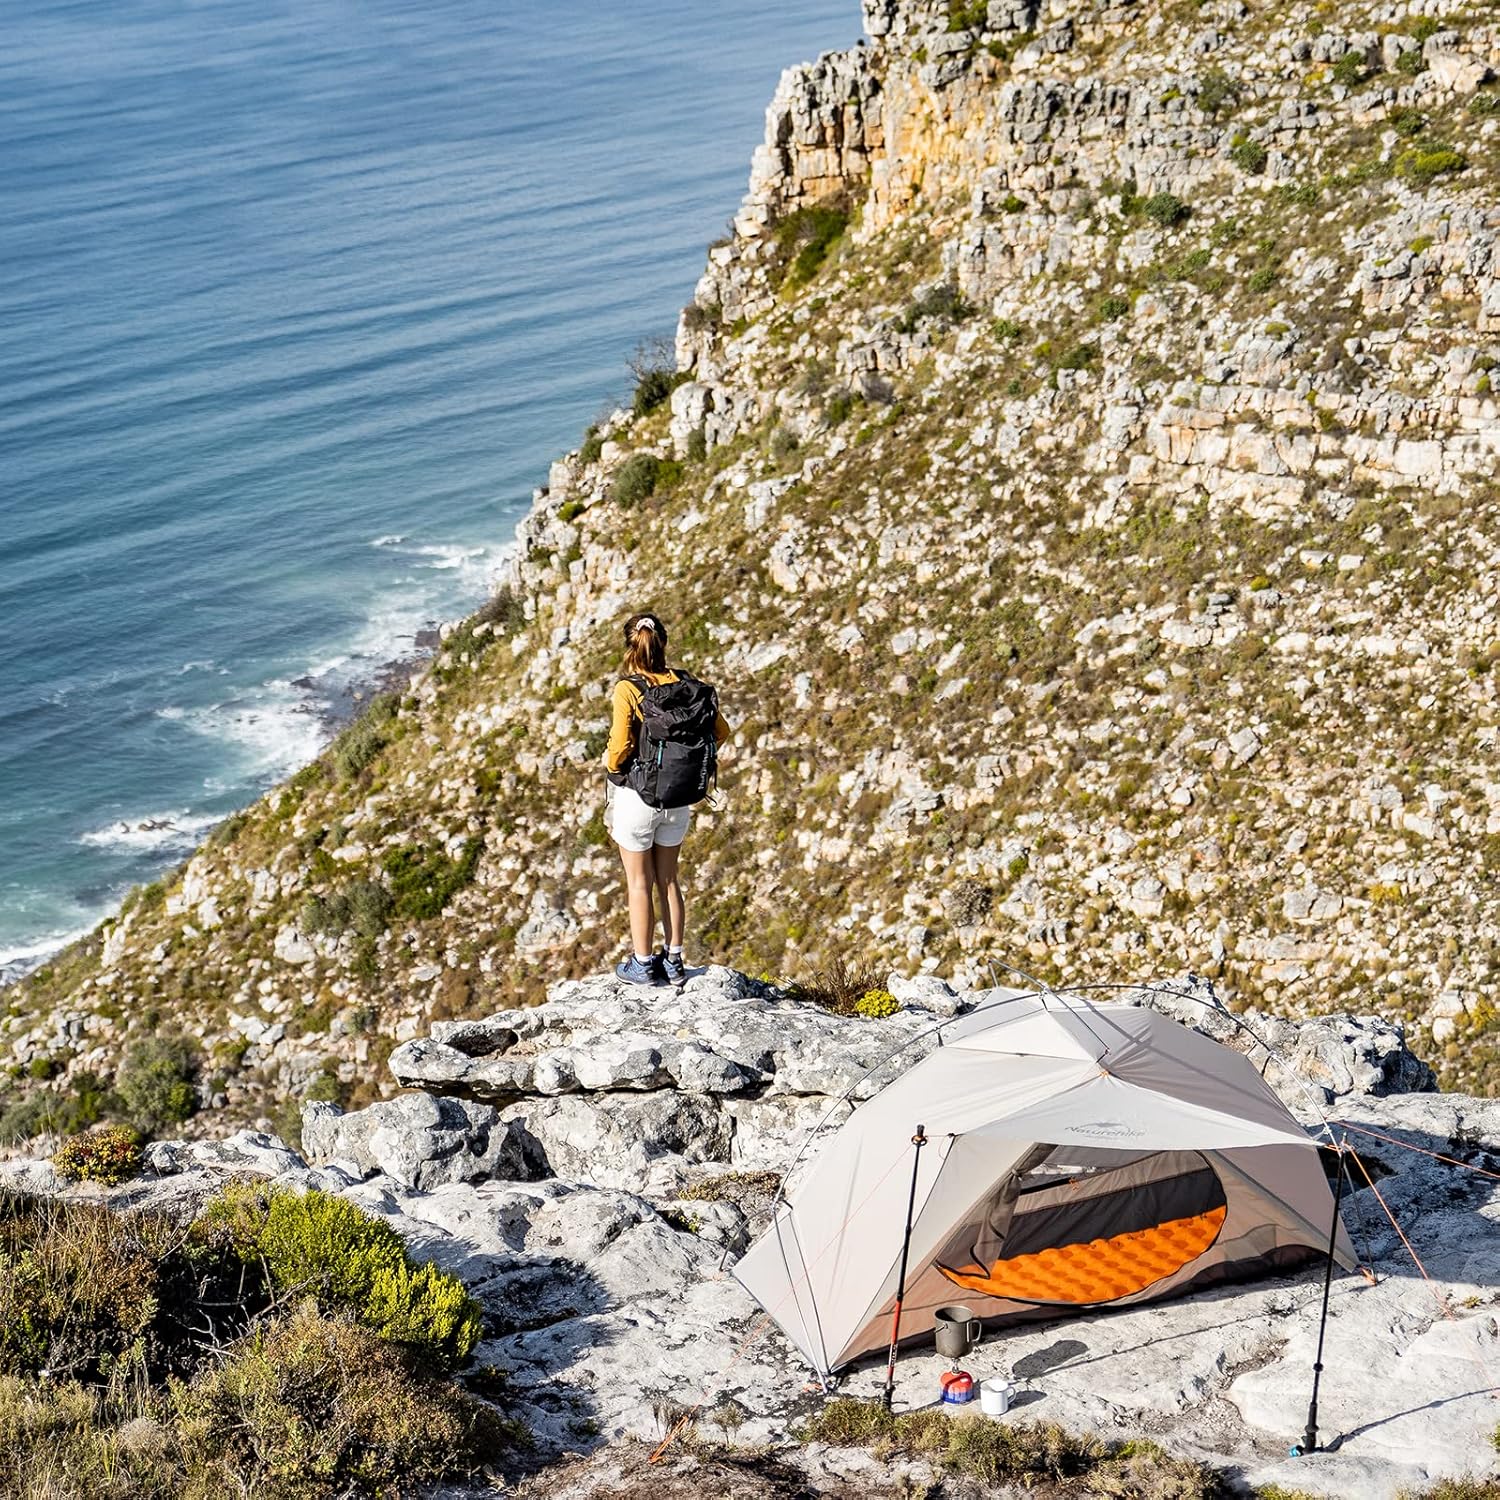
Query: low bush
(362, 906)
(356, 748)
(653, 385)
(968, 15)
(155, 1084)
(1427, 162)
(305, 1408)
(839, 407)
(1217, 92)
(317, 1406)
(1249, 156)
(319, 1245)
(636, 479)
(1111, 309)
(592, 446)
(839, 986)
(109, 1155)
(943, 304)
(1351, 69)
(1165, 209)
(424, 880)
(805, 238)
(78, 1286)
(876, 1005)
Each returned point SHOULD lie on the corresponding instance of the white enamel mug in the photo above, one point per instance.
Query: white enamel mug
(994, 1396)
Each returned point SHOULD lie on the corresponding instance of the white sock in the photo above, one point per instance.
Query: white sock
(675, 952)
(643, 958)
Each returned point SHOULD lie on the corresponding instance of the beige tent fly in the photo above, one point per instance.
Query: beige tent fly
(1079, 1156)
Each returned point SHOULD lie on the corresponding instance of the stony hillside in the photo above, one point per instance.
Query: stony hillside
(1077, 474)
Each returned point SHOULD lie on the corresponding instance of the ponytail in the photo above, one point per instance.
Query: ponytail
(645, 646)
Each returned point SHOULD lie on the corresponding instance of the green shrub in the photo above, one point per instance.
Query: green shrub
(1411, 62)
(653, 384)
(305, 1408)
(424, 880)
(1111, 309)
(1217, 92)
(1007, 330)
(359, 744)
(362, 906)
(697, 446)
(592, 446)
(944, 304)
(1249, 156)
(636, 479)
(1079, 357)
(570, 510)
(78, 1286)
(839, 407)
(968, 15)
(318, 1408)
(318, 1245)
(876, 1005)
(1425, 163)
(1165, 209)
(805, 238)
(154, 1086)
(111, 1154)
(1262, 279)
(1351, 69)
(1408, 122)
(1011, 204)
(1484, 105)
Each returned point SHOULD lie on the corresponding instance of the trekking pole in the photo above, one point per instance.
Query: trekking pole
(1309, 1443)
(918, 1140)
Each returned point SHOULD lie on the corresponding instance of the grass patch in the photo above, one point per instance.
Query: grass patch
(805, 239)
(974, 1447)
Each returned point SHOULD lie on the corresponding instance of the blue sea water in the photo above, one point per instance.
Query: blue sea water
(298, 301)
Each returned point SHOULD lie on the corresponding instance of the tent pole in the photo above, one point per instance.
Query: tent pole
(918, 1141)
(1309, 1443)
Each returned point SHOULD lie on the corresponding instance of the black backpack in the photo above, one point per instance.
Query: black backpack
(677, 752)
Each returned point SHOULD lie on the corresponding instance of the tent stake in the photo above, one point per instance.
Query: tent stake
(1309, 1443)
(918, 1140)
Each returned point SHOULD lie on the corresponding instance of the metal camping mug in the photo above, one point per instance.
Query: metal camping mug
(957, 1330)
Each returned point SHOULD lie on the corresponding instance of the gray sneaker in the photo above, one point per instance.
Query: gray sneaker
(673, 968)
(633, 971)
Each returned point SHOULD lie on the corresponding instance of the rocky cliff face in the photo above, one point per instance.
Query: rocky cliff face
(1078, 479)
(592, 1166)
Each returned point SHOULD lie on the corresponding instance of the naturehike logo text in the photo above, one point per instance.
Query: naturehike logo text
(1109, 1130)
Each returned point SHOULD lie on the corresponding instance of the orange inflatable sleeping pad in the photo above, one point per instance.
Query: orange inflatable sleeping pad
(1099, 1270)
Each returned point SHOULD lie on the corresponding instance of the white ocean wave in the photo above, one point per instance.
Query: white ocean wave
(153, 831)
(394, 539)
(29, 954)
(277, 728)
(446, 559)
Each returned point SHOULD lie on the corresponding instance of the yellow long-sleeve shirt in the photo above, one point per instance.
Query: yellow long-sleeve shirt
(627, 715)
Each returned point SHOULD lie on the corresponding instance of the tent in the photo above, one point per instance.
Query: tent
(1079, 1156)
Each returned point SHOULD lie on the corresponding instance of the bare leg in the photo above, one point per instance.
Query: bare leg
(669, 892)
(640, 872)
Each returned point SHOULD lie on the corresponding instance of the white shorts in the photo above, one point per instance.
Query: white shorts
(637, 826)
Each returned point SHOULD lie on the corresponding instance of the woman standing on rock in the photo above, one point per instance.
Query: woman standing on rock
(662, 755)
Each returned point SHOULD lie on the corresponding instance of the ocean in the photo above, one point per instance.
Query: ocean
(299, 301)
